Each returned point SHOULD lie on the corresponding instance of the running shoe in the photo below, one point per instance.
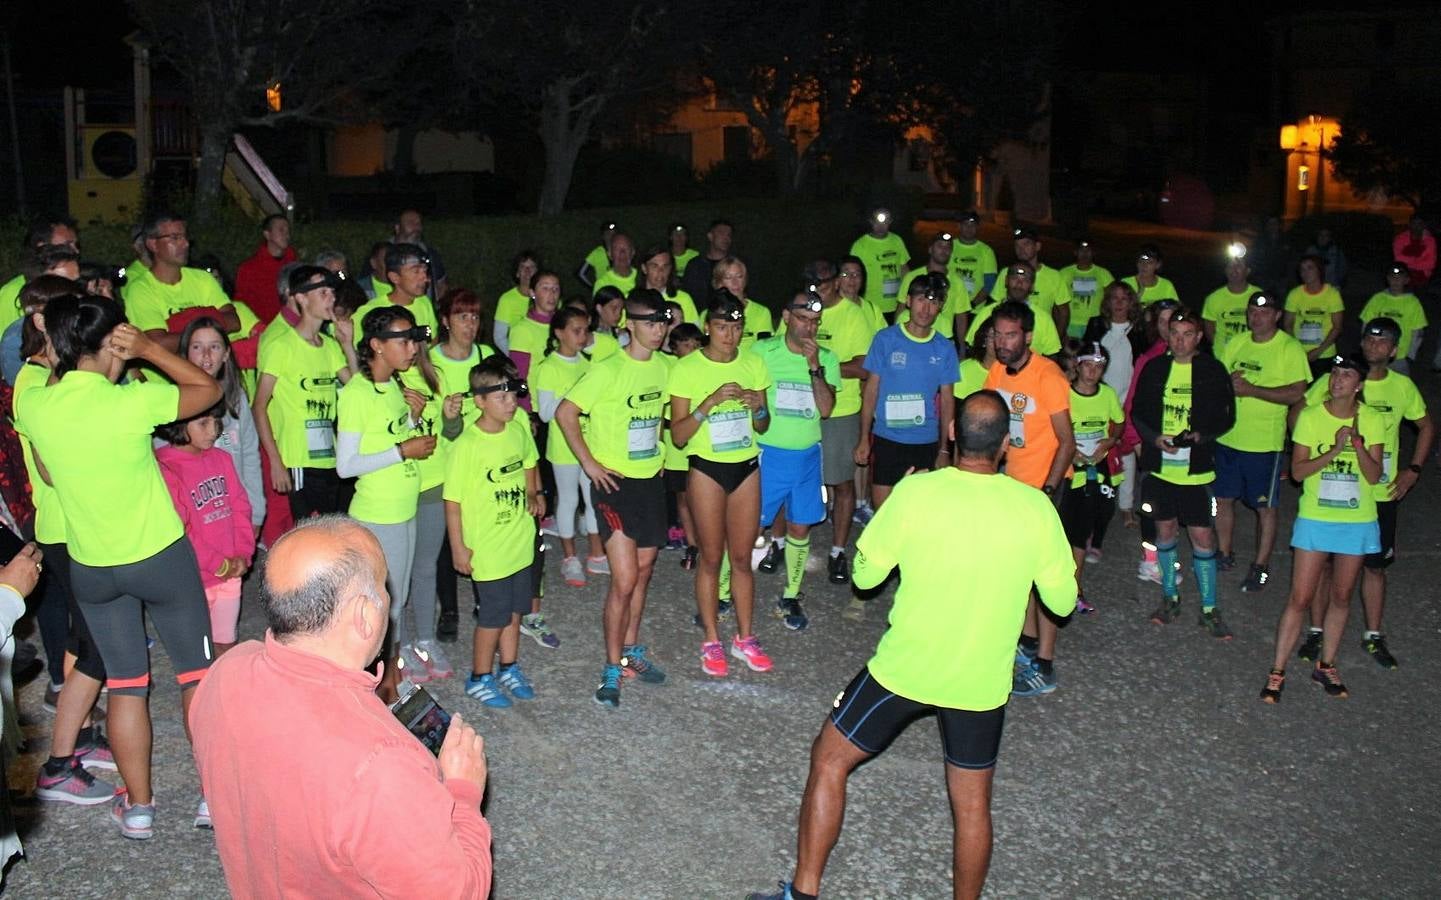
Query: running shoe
(713, 659)
(863, 514)
(1376, 646)
(687, 561)
(1148, 570)
(413, 667)
(1225, 562)
(533, 626)
(783, 894)
(135, 820)
(1082, 606)
(447, 630)
(547, 526)
(1093, 556)
(1311, 646)
(635, 664)
(202, 814)
(95, 753)
(572, 572)
(790, 611)
(1213, 623)
(1275, 683)
(487, 691)
(513, 679)
(608, 693)
(1030, 682)
(1256, 580)
(749, 649)
(435, 659)
(724, 607)
(838, 569)
(597, 565)
(1025, 656)
(855, 610)
(73, 785)
(1167, 612)
(772, 560)
(675, 538)
(1330, 679)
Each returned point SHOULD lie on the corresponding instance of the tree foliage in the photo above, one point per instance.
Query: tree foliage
(1386, 145)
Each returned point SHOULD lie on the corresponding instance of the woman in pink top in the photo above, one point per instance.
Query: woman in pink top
(215, 511)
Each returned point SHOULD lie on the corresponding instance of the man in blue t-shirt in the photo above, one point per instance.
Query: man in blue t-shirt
(907, 403)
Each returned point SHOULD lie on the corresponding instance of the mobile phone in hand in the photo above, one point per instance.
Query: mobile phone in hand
(422, 716)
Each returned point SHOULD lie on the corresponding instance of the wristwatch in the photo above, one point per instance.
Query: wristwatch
(818, 373)
(1415, 467)
(1048, 489)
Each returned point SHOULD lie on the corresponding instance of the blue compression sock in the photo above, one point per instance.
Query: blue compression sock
(1166, 560)
(1204, 566)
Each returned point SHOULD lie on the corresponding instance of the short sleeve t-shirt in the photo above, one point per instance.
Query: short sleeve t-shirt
(601, 346)
(1260, 424)
(684, 259)
(912, 372)
(1228, 311)
(1176, 418)
(1163, 289)
(454, 375)
(953, 626)
(1091, 421)
(625, 399)
(527, 343)
(149, 303)
(973, 378)
(598, 260)
(957, 302)
(845, 331)
(512, 306)
(885, 259)
(727, 435)
(486, 476)
(1394, 398)
(95, 440)
(1045, 339)
(795, 420)
(1048, 291)
(686, 302)
(610, 278)
(49, 517)
(972, 263)
(379, 414)
(1033, 395)
(758, 324)
(1406, 309)
(303, 406)
(1313, 314)
(556, 375)
(1338, 492)
(1085, 287)
(431, 423)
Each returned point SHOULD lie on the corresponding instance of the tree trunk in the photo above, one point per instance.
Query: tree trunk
(214, 143)
(563, 138)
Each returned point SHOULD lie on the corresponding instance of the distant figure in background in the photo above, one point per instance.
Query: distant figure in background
(1416, 247)
(1330, 252)
(698, 271)
(255, 278)
(1273, 261)
(409, 228)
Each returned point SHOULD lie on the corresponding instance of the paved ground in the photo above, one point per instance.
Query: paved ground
(1152, 772)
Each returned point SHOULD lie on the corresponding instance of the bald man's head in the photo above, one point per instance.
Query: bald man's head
(313, 567)
(983, 425)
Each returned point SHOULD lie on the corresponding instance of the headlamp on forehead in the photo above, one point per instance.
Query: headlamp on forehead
(611, 226)
(881, 216)
(1236, 250)
(733, 314)
(418, 333)
(1083, 244)
(1393, 269)
(510, 386)
(810, 300)
(677, 228)
(1348, 362)
(945, 236)
(662, 316)
(1383, 327)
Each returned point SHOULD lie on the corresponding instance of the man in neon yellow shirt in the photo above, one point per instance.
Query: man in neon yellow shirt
(1226, 308)
(886, 259)
(845, 331)
(620, 270)
(1019, 286)
(955, 315)
(45, 232)
(951, 640)
(171, 286)
(1085, 282)
(680, 249)
(973, 260)
(1182, 403)
(621, 453)
(1048, 296)
(1400, 305)
(407, 272)
(1269, 372)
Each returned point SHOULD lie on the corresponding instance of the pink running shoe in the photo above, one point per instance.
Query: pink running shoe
(713, 659)
(749, 649)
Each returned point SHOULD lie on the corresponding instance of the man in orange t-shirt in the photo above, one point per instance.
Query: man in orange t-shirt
(1042, 445)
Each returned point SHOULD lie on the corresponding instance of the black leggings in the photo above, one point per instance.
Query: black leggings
(75, 635)
(320, 493)
(115, 601)
(1086, 513)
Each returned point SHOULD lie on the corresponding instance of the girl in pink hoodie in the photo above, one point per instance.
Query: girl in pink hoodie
(213, 506)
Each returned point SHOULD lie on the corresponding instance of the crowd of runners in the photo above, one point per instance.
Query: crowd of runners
(174, 422)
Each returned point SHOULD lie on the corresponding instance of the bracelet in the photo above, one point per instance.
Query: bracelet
(1415, 467)
(400, 451)
(762, 413)
(698, 416)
